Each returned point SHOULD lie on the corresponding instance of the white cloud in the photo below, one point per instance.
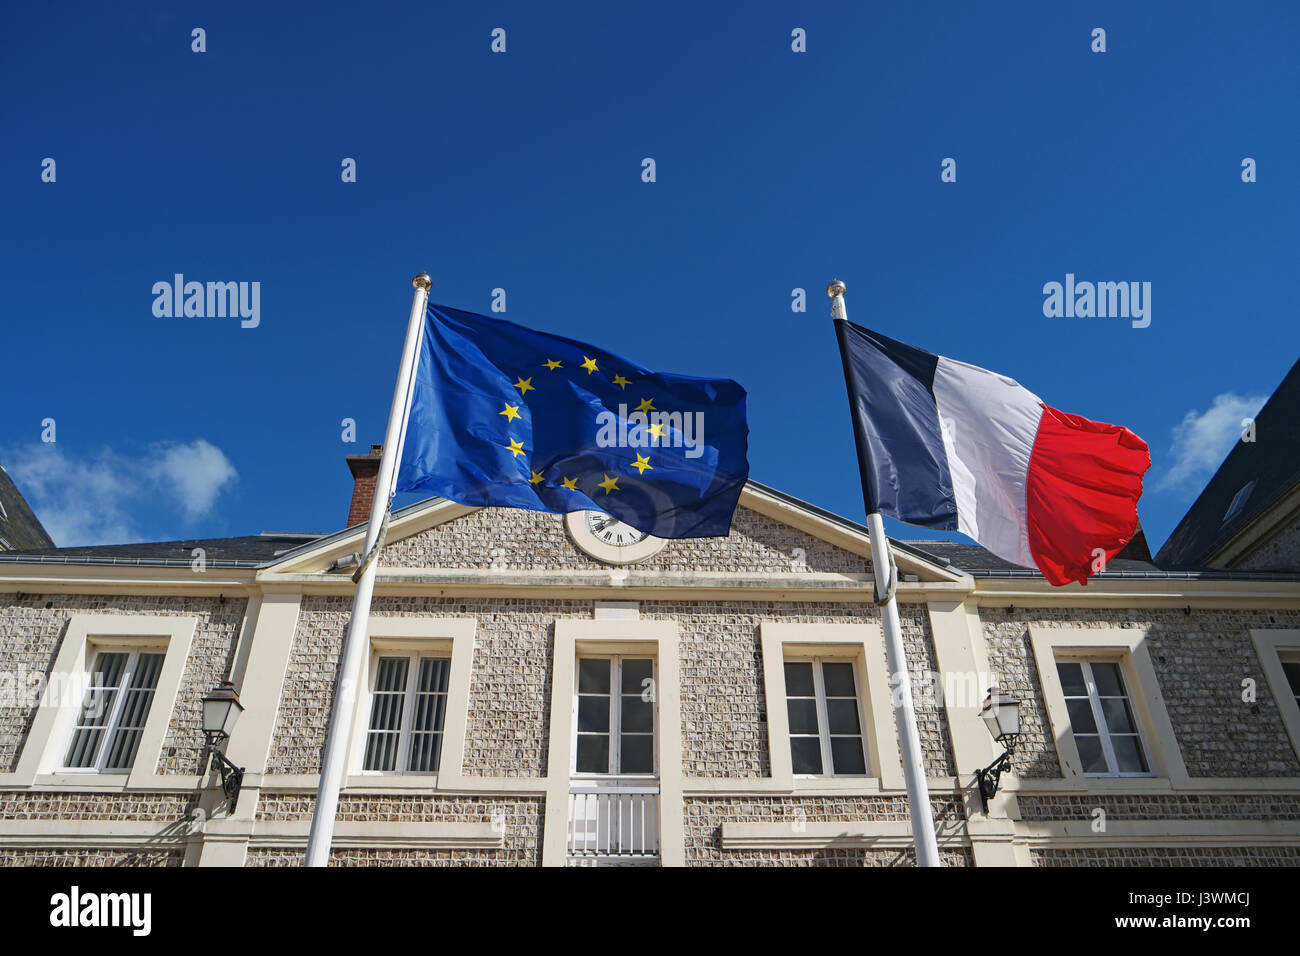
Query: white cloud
(197, 472)
(108, 497)
(1203, 439)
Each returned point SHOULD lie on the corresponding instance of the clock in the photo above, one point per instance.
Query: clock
(607, 539)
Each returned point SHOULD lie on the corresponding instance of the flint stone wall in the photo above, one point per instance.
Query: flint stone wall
(532, 540)
(1200, 660)
(32, 629)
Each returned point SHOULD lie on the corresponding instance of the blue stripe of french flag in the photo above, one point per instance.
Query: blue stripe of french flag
(951, 446)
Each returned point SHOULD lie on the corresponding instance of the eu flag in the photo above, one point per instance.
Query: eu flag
(503, 416)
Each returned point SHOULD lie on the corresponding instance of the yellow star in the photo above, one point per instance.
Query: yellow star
(516, 447)
(642, 463)
(622, 382)
(511, 412)
(570, 483)
(537, 476)
(525, 385)
(552, 364)
(589, 364)
(646, 406)
(657, 430)
(609, 484)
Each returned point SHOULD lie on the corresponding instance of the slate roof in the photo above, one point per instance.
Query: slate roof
(1272, 462)
(976, 560)
(18, 524)
(261, 550)
(250, 551)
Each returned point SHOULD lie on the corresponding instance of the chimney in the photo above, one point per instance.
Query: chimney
(365, 474)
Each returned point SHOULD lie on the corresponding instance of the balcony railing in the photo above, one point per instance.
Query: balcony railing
(621, 822)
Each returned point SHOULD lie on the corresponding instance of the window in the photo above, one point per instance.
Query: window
(616, 715)
(1101, 719)
(823, 709)
(1238, 501)
(112, 718)
(1291, 668)
(407, 714)
(101, 713)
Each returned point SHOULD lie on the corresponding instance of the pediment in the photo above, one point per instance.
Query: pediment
(770, 534)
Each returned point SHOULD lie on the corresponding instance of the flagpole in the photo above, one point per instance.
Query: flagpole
(918, 791)
(354, 644)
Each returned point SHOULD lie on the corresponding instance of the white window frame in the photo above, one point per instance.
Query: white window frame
(413, 659)
(620, 633)
(864, 644)
(1272, 646)
(46, 747)
(616, 715)
(1126, 646)
(1291, 657)
(823, 722)
(448, 637)
(1103, 729)
(111, 726)
(1238, 503)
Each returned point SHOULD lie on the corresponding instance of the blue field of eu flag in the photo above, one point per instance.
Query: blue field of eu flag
(502, 416)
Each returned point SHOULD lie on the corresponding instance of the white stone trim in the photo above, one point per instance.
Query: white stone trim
(269, 630)
(1128, 645)
(960, 649)
(371, 783)
(1074, 834)
(403, 835)
(617, 611)
(42, 755)
(424, 635)
(864, 645)
(1126, 594)
(142, 836)
(1270, 646)
(796, 835)
(119, 580)
(659, 639)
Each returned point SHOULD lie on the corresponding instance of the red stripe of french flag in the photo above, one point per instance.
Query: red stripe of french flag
(1085, 479)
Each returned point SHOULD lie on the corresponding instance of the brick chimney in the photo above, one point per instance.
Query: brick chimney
(365, 474)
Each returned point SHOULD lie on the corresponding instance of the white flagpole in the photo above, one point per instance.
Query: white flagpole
(354, 644)
(918, 791)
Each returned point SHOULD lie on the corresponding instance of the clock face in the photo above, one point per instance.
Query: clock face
(609, 540)
(613, 532)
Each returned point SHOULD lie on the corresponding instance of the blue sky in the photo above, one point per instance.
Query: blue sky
(775, 170)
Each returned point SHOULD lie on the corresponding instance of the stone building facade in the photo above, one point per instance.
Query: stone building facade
(518, 610)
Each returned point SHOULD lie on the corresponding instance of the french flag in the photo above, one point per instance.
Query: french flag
(953, 447)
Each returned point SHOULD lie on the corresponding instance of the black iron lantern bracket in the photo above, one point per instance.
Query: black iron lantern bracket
(232, 777)
(989, 778)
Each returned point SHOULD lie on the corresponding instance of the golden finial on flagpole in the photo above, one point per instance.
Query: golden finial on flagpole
(422, 281)
(836, 288)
